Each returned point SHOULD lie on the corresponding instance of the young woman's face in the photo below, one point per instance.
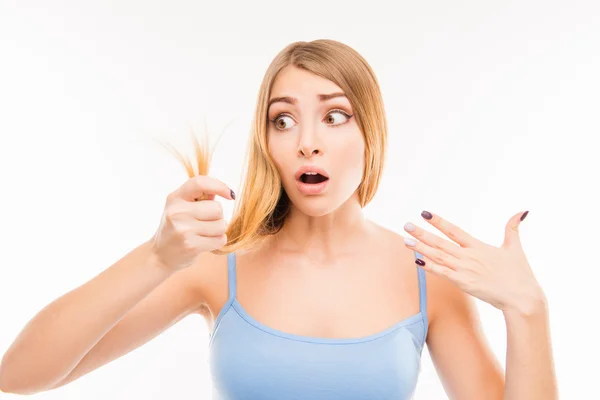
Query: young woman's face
(318, 133)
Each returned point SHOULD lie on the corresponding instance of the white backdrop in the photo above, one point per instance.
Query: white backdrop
(492, 108)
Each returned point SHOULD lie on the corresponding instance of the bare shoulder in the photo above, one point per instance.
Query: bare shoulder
(387, 237)
(207, 278)
(440, 291)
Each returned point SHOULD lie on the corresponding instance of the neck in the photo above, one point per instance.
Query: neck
(326, 237)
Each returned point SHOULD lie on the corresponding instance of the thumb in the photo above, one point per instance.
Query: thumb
(511, 235)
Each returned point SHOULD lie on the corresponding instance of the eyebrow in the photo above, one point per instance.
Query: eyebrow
(293, 100)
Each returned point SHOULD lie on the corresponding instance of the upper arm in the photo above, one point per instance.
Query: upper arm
(458, 348)
(175, 298)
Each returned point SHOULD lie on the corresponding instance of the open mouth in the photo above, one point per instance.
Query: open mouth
(312, 178)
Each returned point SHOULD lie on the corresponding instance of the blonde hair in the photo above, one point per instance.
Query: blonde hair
(262, 205)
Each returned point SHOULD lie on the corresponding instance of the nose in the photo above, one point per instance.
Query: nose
(308, 143)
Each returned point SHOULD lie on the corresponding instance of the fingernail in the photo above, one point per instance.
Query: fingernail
(426, 215)
(409, 241)
(524, 215)
(409, 227)
(232, 194)
(420, 262)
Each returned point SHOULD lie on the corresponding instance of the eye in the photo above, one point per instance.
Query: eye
(330, 120)
(280, 123)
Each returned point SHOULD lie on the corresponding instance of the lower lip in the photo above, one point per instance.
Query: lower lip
(311, 188)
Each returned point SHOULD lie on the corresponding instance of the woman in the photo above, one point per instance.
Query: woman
(305, 297)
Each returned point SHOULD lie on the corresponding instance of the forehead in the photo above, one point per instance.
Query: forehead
(297, 82)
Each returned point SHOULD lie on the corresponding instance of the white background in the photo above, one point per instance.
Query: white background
(492, 109)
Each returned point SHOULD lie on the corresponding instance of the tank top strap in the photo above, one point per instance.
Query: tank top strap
(422, 286)
(231, 275)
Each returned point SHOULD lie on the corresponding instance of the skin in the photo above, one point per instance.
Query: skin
(326, 242)
(361, 277)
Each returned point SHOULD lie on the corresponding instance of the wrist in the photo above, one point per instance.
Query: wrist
(530, 305)
(155, 262)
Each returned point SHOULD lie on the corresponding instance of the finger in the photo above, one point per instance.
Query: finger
(207, 210)
(511, 232)
(214, 242)
(211, 228)
(202, 185)
(452, 231)
(430, 266)
(205, 197)
(433, 240)
(436, 255)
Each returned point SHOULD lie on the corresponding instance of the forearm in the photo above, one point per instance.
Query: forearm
(530, 371)
(62, 333)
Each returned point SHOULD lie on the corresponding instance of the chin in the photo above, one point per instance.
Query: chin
(316, 205)
(312, 209)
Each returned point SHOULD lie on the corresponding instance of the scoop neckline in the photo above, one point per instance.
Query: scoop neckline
(232, 302)
(241, 311)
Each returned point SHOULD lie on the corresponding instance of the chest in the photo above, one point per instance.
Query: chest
(246, 362)
(319, 334)
(352, 299)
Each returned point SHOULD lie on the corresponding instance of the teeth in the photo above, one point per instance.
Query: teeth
(310, 173)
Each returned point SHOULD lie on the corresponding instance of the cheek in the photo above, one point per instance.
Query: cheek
(353, 158)
(279, 150)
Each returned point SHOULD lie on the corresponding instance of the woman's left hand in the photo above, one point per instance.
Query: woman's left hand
(500, 276)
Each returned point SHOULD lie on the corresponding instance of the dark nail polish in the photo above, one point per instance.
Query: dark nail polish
(232, 194)
(524, 215)
(426, 215)
(420, 262)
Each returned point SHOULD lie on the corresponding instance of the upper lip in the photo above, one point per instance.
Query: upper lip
(310, 168)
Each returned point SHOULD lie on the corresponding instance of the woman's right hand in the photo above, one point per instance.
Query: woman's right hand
(192, 222)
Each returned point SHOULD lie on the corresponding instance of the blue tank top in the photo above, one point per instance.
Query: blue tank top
(249, 360)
